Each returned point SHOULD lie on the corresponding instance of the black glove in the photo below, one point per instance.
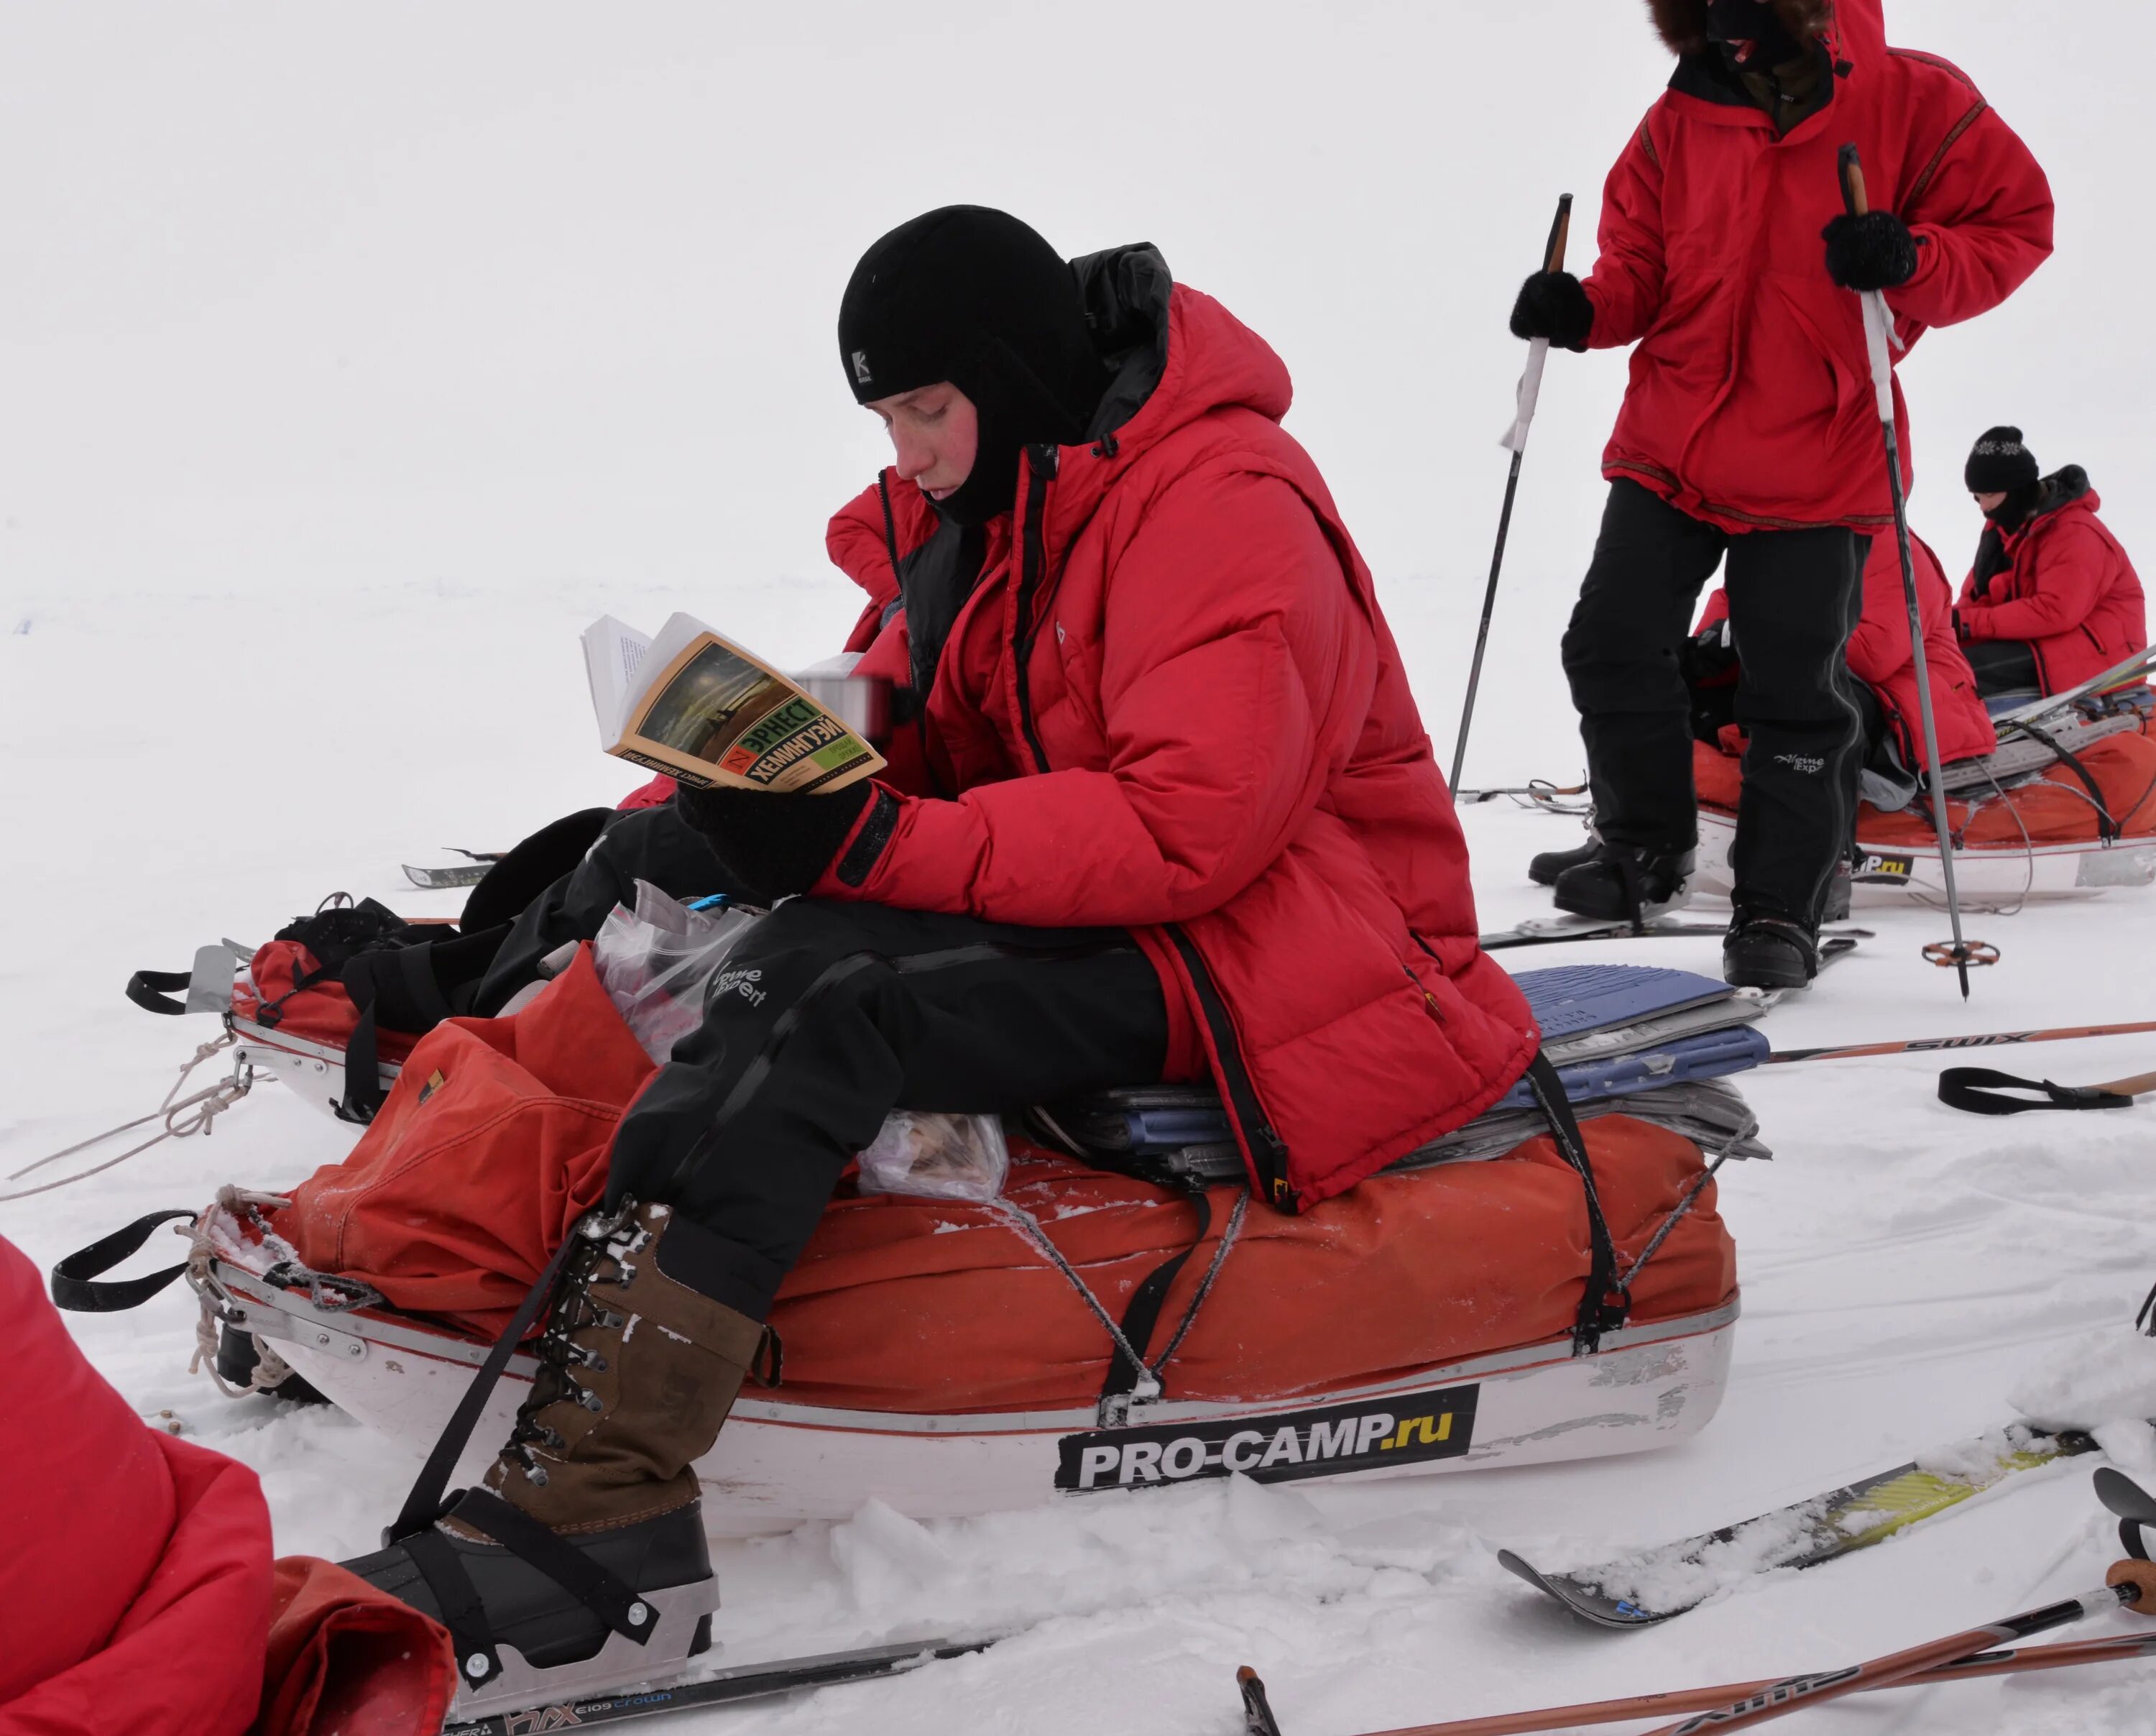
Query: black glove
(1552, 305)
(781, 844)
(1874, 251)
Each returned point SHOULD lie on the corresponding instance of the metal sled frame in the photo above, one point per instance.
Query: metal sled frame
(779, 1463)
(314, 1071)
(1995, 877)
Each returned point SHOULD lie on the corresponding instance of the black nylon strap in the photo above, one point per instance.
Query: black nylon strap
(71, 1285)
(400, 981)
(588, 1582)
(143, 986)
(1603, 1306)
(2107, 828)
(1958, 1090)
(462, 1611)
(423, 1505)
(1142, 1314)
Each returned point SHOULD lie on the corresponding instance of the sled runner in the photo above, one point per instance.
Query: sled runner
(1519, 1292)
(2065, 809)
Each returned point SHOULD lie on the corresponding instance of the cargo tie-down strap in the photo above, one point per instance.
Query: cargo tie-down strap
(1961, 1088)
(1604, 1303)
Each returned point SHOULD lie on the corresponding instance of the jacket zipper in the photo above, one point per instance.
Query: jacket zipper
(1268, 1154)
(1040, 463)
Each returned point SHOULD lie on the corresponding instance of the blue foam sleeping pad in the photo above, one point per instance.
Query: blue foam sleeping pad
(1569, 1001)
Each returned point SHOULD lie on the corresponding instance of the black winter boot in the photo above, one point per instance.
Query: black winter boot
(1767, 953)
(580, 1565)
(1620, 884)
(1544, 869)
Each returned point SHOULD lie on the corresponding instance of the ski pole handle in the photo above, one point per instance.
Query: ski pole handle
(1853, 196)
(1560, 232)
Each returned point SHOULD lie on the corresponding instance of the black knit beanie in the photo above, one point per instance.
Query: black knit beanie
(974, 296)
(1999, 463)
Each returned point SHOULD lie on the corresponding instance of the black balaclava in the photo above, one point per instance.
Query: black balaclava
(1754, 22)
(973, 296)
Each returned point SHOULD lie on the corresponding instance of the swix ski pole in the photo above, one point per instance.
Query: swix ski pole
(1990, 1040)
(1531, 386)
(1878, 334)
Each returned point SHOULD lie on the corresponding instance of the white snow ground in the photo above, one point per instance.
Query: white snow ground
(351, 361)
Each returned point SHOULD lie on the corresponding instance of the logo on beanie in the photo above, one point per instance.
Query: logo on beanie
(862, 377)
(1996, 448)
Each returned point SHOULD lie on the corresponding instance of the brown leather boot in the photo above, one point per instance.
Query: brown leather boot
(637, 1372)
(582, 1564)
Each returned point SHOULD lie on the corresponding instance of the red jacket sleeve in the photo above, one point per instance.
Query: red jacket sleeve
(1228, 624)
(2070, 567)
(1627, 283)
(1981, 210)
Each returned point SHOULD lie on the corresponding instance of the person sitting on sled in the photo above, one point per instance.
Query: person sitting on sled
(2052, 599)
(1749, 430)
(1178, 817)
(1892, 763)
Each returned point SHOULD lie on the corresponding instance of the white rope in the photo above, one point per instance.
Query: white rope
(192, 1114)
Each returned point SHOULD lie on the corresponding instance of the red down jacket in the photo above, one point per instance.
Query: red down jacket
(2063, 583)
(1172, 704)
(1879, 656)
(134, 1567)
(1751, 404)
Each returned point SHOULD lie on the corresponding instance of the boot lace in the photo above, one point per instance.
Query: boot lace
(607, 1245)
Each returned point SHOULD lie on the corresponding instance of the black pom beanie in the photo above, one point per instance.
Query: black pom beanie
(1999, 463)
(974, 296)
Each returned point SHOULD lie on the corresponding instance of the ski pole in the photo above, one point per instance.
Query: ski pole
(2130, 1584)
(1531, 386)
(1878, 332)
(2016, 1662)
(1993, 1039)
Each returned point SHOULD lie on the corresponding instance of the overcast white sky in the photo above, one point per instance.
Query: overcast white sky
(306, 297)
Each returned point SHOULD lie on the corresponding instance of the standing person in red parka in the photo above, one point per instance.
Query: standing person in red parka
(1749, 429)
(1178, 818)
(2052, 600)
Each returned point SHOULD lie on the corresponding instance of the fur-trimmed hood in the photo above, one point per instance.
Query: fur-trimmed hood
(1683, 23)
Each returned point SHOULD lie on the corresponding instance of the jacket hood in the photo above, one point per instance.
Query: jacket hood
(2068, 486)
(1683, 23)
(1173, 352)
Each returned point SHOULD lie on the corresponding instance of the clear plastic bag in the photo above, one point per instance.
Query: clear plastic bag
(655, 962)
(944, 1157)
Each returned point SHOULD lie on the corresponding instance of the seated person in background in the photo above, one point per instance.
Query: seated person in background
(2052, 599)
(1178, 818)
(1886, 670)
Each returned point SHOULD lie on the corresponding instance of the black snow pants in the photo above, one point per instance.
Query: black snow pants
(829, 1015)
(1794, 599)
(2004, 665)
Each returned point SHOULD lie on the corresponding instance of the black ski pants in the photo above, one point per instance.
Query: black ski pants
(1793, 598)
(829, 1015)
(2004, 665)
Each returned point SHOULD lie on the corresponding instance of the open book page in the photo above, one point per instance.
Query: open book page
(710, 713)
(614, 653)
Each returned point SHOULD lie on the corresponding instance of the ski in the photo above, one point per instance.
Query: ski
(2137, 663)
(724, 1688)
(440, 880)
(1652, 1586)
(1551, 932)
(470, 874)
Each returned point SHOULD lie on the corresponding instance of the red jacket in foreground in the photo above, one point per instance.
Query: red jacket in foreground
(1172, 704)
(134, 1567)
(1879, 657)
(1750, 405)
(2063, 583)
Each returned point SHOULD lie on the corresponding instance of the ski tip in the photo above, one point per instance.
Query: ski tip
(1258, 1719)
(1584, 1601)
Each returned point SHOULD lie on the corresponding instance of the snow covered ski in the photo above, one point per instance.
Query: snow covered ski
(1559, 930)
(724, 1688)
(465, 874)
(1650, 1587)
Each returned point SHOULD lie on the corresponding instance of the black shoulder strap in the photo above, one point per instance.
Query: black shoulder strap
(1958, 1090)
(1603, 1306)
(71, 1281)
(144, 986)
